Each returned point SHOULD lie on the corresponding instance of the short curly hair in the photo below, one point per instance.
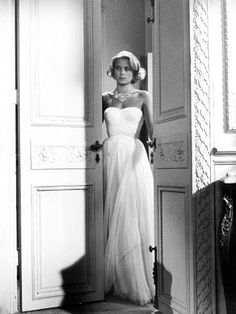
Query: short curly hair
(139, 73)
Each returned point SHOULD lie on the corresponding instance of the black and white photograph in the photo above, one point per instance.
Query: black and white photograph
(118, 156)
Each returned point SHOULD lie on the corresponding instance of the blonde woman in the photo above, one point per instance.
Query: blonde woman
(128, 214)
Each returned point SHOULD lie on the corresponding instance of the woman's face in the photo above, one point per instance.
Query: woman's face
(123, 73)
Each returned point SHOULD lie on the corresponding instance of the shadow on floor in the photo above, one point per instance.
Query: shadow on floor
(111, 304)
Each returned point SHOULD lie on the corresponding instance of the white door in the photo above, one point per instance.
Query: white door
(172, 163)
(61, 214)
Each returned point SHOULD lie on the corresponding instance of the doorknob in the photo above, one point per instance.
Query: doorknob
(96, 146)
(152, 143)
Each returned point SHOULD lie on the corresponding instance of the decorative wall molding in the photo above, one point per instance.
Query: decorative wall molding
(228, 152)
(229, 50)
(224, 162)
(40, 289)
(223, 168)
(172, 152)
(38, 118)
(61, 157)
(203, 200)
(201, 98)
(203, 206)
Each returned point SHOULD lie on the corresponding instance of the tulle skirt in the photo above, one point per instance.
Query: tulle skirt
(128, 219)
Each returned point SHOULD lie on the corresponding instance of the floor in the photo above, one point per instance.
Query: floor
(110, 306)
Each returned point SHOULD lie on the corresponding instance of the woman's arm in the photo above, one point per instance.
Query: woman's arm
(148, 113)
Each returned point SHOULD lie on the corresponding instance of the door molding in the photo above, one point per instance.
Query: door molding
(172, 62)
(39, 117)
(178, 196)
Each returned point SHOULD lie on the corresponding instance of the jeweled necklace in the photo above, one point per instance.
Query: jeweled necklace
(122, 96)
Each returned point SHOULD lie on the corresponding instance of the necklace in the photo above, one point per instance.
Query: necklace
(122, 96)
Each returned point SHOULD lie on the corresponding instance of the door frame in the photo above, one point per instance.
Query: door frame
(8, 262)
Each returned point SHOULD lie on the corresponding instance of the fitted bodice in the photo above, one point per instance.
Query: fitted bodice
(126, 121)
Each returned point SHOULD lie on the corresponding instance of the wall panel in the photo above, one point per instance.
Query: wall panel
(63, 216)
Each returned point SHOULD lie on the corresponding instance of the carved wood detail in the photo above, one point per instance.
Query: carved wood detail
(205, 251)
(172, 152)
(61, 157)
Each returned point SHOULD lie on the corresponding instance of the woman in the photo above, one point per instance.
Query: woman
(128, 216)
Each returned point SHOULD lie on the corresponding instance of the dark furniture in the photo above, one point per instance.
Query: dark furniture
(225, 205)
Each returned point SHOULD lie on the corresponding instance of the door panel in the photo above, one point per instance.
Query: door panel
(172, 162)
(61, 183)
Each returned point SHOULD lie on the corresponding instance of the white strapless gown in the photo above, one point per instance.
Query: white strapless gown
(128, 216)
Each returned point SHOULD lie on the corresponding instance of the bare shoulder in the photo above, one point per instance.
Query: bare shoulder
(142, 94)
(106, 99)
(106, 96)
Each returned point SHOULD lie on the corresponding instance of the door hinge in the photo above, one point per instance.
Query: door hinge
(15, 97)
(151, 19)
(17, 257)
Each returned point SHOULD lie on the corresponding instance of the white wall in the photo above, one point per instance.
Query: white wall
(223, 89)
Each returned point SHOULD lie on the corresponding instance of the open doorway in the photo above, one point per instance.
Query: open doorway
(125, 27)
